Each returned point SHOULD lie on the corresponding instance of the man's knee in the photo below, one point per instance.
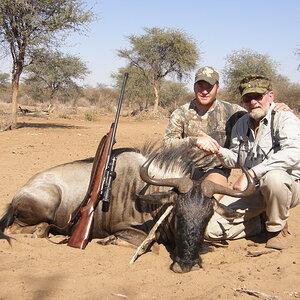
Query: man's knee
(274, 180)
(221, 229)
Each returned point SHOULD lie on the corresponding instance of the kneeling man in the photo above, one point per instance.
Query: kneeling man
(268, 144)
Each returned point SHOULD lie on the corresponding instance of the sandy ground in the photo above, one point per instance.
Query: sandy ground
(37, 269)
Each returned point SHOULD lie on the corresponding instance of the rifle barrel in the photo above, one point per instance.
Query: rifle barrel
(100, 182)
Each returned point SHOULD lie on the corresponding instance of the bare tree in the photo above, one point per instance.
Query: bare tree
(26, 25)
(52, 72)
(242, 63)
(161, 52)
(139, 92)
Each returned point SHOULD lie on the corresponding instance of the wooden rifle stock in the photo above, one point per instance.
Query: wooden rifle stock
(100, 181)
(81, 233)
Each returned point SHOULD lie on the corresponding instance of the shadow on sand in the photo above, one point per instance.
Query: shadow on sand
(48, 125)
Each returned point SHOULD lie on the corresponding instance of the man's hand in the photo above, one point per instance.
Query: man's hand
(208, 144)
(242, 182)
(282, 107)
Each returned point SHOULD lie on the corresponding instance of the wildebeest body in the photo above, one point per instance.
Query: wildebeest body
(51, 196)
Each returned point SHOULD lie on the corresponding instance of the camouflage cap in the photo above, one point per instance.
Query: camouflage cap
(255, 84)
(208, 74)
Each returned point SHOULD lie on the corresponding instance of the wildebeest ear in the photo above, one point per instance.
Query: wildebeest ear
(225, 211)
(158, 198)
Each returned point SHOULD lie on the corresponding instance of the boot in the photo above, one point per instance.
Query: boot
(278, 240)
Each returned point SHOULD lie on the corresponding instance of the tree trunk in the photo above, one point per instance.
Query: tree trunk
(17, 69)
(14, 100)
(156, 93)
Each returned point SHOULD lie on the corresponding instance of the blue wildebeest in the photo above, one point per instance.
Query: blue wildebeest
(147, 182)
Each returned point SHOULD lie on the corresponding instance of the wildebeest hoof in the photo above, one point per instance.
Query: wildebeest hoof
(196, 267)
(110, 240)
(40, 231)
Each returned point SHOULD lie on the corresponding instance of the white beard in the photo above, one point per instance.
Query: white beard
(258, 113)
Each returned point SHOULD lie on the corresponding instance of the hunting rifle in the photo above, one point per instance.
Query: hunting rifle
(102, 175)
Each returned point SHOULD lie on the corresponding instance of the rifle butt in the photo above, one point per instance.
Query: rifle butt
(80, 235)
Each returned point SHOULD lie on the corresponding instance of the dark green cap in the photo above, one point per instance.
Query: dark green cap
(255, 84)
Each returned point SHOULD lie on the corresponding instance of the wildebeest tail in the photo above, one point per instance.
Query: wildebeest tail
(5, 222)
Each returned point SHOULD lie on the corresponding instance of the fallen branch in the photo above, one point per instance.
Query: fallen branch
(218, 244)
(50, 109)
(5, 127)
(258, 294)
(25, 110)
(120, 295)
(258, 253)
(37, 113)
(151, 236)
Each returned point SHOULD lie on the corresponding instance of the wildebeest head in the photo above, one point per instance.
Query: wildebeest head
(193, 207)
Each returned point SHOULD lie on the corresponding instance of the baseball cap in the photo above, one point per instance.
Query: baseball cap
(208, 74)
(255, 84)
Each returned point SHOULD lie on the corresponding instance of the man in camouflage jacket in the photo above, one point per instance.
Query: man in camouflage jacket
(193, 122)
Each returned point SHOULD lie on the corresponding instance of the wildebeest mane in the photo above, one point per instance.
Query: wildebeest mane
(171, 161)
(179, 161)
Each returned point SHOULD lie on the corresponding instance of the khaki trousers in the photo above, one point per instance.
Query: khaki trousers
(276, 194)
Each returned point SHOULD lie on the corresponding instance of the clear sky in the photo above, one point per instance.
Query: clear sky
(218, 27)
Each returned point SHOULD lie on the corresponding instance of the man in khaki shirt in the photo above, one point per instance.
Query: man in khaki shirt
(269, 146)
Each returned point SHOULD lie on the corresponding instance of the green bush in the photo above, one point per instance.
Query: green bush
(90, 116)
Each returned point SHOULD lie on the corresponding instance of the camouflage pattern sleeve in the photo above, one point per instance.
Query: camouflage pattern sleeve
(174, 133)
(237, 108)
(187, 123)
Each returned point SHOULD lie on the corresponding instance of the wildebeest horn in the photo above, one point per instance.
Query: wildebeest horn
(158, 197)
(210, 188)
(183, 184)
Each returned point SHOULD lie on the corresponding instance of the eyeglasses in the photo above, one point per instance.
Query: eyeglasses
(256, 97)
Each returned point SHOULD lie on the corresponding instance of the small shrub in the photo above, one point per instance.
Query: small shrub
(90, 116)
(64, 116)
(149, 114)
